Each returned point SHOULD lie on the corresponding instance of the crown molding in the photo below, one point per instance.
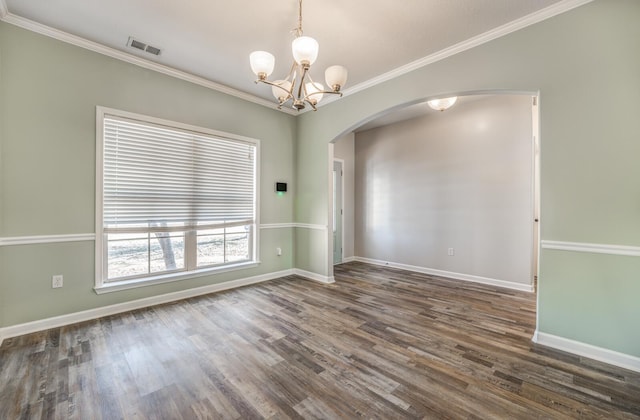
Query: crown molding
(506, 29)
(523, 22)
(3, 9)
(132, 59)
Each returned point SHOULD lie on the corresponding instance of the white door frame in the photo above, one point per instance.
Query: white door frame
(535, 120)
(341, 161)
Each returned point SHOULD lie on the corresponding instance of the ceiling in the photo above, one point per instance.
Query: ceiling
(212, 39)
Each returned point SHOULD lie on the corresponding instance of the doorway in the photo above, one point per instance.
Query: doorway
(535, 120)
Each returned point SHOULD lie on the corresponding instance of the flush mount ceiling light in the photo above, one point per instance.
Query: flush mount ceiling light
(298, 87)
(442, 104)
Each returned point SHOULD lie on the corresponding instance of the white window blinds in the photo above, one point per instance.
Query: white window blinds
(162, 178)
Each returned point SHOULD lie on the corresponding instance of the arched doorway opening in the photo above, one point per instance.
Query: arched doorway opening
(412, 215)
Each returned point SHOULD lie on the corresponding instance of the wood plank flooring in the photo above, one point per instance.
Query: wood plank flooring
(379, 343)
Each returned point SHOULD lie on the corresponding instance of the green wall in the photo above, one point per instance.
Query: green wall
(586, 65)
(591, 298)
(49, 91)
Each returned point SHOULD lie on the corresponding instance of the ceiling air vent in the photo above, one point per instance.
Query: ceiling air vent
(133, 43)
(153, 50)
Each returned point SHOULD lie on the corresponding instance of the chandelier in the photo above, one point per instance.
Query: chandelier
(298, 87)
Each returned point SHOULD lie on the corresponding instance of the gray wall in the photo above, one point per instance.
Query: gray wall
(49, 91)
(457, 179)
(344, 148)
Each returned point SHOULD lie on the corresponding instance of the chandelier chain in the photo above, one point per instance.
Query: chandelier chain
(298, 30)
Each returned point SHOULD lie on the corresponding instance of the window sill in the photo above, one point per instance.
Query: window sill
(167, 278)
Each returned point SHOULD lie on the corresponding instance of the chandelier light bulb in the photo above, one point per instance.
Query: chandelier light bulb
(336, 77)
(314, 92)
(281, 89)
(442, 104)
(305, 50)
(262, 63)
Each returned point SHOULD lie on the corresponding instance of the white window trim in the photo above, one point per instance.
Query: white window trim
(116, 286)
(100, 285)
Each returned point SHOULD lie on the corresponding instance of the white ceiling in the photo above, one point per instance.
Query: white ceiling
(212, 39)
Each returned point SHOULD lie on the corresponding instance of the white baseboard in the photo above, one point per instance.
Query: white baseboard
(314, 276)
(62, 320)
(59, 321)
(450, 274)
(611, 357)
(346, 260)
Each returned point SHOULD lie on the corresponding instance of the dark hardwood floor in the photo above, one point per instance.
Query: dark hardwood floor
(379, 343)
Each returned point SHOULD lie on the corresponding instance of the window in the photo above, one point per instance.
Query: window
(172, 200)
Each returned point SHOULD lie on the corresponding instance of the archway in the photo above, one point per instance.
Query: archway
(491, 237)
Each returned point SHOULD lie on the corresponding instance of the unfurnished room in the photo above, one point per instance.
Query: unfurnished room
(307, 209)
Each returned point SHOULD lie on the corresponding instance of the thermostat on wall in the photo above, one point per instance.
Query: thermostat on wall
(281, 187)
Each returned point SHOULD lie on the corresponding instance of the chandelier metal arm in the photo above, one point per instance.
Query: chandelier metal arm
(298, 102)
(302, 94)
(313, 103)
(270, 83)
(308, 97)
(289, 92)
(323, 92)
(263, 79)
(286, 98)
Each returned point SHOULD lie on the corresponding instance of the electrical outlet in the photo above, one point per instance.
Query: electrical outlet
(278, 251)
(451, 252)
(56, 281)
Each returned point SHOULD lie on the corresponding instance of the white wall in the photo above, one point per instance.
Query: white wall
(457, 179)
(344, 148)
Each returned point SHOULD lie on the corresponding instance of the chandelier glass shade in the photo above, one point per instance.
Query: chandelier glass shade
(298, 87)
